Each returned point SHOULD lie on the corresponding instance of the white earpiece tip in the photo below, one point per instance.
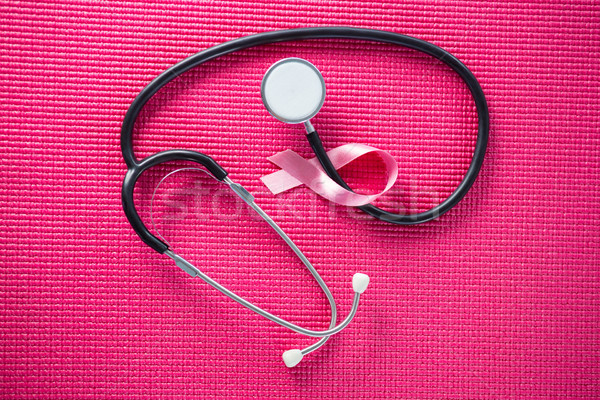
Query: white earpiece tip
(291, 358)
(360, 282)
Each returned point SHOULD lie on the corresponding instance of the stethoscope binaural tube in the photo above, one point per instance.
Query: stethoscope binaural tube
(290, 357)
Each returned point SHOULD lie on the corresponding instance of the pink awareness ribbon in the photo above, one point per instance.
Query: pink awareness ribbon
(296, 171)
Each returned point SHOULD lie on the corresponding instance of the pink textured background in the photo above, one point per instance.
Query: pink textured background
(499, 298)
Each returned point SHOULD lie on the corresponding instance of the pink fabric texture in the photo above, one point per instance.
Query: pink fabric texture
(498, 298)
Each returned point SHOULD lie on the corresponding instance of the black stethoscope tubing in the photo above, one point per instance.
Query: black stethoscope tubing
(137, 167)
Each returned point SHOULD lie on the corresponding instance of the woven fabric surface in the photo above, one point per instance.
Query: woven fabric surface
(498, 298)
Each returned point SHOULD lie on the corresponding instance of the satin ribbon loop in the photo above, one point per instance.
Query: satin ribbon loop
(296, 171)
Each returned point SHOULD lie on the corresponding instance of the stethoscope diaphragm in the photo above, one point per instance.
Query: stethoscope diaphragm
(293, 90)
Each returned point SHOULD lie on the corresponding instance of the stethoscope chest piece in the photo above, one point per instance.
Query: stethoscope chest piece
(293, 90)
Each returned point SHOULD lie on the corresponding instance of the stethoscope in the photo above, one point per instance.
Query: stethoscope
(295, 110)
